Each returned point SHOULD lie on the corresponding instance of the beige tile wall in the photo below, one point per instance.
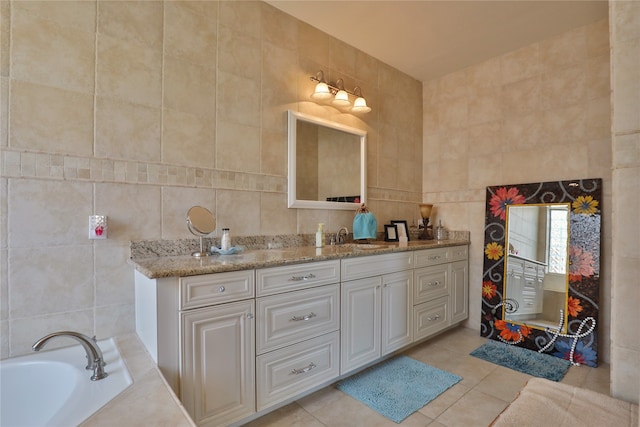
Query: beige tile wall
(139, 110)
(540, 113)
(624, 19)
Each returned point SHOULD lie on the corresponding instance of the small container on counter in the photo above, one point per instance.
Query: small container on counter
(225, 241)
(441, 232)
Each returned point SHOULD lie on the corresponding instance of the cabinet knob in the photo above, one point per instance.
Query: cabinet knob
(250, 316)
(221, 289)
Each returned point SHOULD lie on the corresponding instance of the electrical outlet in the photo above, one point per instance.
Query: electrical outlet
(97, 227)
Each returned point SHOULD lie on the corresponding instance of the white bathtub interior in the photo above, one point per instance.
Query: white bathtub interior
(52, 388)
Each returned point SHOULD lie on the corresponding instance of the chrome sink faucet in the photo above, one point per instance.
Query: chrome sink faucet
(341, 235)
(95, 360)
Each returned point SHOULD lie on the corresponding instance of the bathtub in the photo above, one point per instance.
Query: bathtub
(52, 388)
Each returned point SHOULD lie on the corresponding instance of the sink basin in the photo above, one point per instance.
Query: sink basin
(363, 246)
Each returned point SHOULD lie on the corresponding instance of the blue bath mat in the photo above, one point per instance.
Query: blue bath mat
(398, 387)
(523, 360)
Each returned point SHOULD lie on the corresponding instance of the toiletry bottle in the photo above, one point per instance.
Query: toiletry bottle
(320, 236)
(441, 232)
(225, 242)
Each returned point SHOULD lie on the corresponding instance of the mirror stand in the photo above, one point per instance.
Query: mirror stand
(200, 222)
(202, 252)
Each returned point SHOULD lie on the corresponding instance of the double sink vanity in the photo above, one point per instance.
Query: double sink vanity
(238, 336)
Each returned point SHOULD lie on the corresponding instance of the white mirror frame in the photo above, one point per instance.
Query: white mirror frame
(293, 202)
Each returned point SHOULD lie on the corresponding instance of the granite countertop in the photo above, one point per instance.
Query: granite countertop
(185, 265)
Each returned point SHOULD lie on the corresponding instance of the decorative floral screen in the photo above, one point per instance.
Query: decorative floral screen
(579, 343)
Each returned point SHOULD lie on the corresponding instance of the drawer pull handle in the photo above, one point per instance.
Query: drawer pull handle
(305, 317)
(436, 283)
(250, 316)
(221, 289)
(432, 257)
(431, 319)
(301, 278)
(303, 370)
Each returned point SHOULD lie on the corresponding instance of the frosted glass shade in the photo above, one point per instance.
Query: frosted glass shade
(341, 99)
(425, 210)
(322, 91)
(360, 105)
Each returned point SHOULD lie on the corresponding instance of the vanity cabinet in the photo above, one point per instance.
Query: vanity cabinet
(525, 284)
(235, 345)
(441, 295)
(376, 316)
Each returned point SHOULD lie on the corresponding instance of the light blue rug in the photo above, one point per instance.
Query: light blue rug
(398, 387)
(523, 360)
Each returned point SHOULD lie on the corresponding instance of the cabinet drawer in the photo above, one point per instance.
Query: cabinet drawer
(430, 318)
(294, 277)
(288, 318)
(284, 373)
(209, 289)
(430, 283)
(367, 266)
(428, 257)
(459, 253)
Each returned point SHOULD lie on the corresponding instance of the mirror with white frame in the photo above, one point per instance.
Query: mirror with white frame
(327, 164)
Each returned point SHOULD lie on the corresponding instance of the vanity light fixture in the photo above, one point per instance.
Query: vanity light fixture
(327, 90)
(322, 91)
(360, 104)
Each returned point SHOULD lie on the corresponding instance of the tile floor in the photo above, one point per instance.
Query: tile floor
(485, 390)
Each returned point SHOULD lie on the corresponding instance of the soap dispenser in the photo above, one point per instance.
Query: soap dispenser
(320, 236)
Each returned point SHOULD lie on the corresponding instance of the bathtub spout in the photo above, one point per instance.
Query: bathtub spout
(94, 354)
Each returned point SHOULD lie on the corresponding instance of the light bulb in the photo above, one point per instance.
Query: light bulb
(341, 99)
(321, 92)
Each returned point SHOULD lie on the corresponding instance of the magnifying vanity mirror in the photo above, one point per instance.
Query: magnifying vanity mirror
(541, 280)
(200, 222)
(327, 164)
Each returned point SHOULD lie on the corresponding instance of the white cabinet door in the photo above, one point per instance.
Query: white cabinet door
(459, 291)
(397, 305)
(218, 381)
(360, 325)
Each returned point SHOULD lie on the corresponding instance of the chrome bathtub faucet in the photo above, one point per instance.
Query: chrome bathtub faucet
(95, 360)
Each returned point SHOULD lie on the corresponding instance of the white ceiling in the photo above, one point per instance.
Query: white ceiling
(428, 39)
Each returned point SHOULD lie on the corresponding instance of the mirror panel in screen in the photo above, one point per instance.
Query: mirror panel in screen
(541, 263)
(537, 260)
(327, 164)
